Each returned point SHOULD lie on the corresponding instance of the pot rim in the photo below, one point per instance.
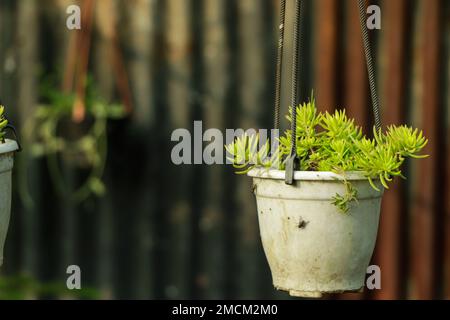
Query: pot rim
(264, 173)
(8, 146)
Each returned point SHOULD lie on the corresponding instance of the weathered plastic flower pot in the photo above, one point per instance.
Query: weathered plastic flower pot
(312, 247)
(7, 150)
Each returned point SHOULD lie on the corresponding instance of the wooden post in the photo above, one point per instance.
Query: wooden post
(423, 251)
(27, 62)
(389, 251)
(252, 80)
(216, 55)
(326, 50)
(446, 274)
(140, 33)
(179, 44)
(356, 101)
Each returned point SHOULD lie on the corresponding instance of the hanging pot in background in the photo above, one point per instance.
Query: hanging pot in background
(7, 151)
(312, 247)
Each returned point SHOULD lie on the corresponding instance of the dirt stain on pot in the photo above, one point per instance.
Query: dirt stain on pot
(302, 223)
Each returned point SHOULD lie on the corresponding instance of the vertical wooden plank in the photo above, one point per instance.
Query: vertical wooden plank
(179, 50)
(446, 197)
(356, 81)
(217, 78)
(161, 174)
(104, 82)
(61, 215)
(139, 36)
(415, 117)
(389, 251)
(105, 264)
(446, 274)
(423, 252)
(179, 41)
(105, 16)
(119, 247)
(141, 32)
(230, 181)
(326, 52)
(197, 186)
(27, 57)
(443, 222)
(67, 225)
(446, 205)
(252, 81)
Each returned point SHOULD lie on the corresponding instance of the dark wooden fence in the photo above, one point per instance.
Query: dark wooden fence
(166, 231)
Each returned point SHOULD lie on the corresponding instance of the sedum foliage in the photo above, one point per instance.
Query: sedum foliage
(3, 123)
(333, 142)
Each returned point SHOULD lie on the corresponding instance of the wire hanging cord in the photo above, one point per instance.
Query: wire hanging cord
(370, 66)
(292, 161)
(280, 64)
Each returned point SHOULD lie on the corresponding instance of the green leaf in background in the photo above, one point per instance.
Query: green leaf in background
(21, 287)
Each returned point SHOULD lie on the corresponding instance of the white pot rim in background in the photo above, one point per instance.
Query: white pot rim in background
(8, 146)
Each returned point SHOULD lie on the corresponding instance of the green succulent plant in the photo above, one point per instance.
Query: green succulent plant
(333, 142)
(3, 123)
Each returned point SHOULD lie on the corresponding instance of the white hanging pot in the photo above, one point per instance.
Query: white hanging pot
(312, 247)
(7, 150)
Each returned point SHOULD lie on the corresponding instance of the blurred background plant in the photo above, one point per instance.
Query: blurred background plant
(51, 133)
(23, 287)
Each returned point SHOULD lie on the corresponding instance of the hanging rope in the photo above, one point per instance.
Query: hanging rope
(370, 67)
(297, 63)
(280, 64)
